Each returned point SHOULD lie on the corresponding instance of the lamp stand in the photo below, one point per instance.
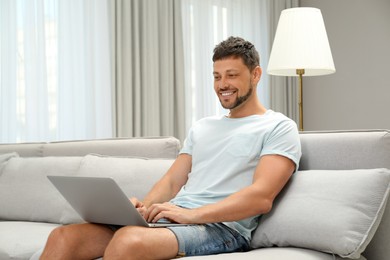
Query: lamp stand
(300, 72)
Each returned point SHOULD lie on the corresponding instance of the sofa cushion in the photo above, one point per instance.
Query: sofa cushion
(20, 240)
(4, 158)
(27, 195)
(331, 211)
(275, 253)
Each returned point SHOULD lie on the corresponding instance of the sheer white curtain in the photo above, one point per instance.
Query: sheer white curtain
(205, 24)
(55, 70)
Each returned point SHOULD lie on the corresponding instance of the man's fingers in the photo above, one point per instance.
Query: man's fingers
(155, 212)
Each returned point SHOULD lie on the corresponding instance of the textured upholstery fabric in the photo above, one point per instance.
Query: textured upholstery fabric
(287, 253)
(4, 158)
(27, 195)
(159, 147)
(330, 211)
(151, 147)
(321, 150)
(365, 149)
(24, 150)
(343, 150)
(19, 240)
(276, 253)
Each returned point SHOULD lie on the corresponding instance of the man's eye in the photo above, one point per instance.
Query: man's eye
(217, 78)
(232, 75)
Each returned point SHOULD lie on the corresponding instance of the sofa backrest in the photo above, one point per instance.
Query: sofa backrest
(149, 147)
(341, 150)
(344, 150)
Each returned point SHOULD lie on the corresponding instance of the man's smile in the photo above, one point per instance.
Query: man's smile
(227, 93)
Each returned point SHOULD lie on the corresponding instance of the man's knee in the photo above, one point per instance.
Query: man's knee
(129, 237)
(83, 241)
(62, 235)
(58, 242)
(127, 241)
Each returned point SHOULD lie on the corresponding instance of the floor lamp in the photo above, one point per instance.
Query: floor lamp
(301, 48)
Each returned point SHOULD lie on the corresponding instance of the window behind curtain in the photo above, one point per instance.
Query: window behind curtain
(205, 24)
(55, 70)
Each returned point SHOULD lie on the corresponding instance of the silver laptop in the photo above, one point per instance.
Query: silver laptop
(101, 200)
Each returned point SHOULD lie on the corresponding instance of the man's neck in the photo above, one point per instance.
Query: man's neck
(257, 109)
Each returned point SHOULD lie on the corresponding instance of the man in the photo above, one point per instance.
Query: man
(228, 173)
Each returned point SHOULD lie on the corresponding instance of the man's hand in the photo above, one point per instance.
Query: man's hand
(171, 212)
(139, 206)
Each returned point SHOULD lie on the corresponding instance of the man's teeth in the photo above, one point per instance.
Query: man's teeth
(227, 93)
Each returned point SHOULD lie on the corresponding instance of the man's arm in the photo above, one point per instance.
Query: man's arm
(272, 173)
(170, 184)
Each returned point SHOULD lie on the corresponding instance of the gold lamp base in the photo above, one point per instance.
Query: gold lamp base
(300, 72)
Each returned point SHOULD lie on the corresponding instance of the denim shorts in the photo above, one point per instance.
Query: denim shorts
(208, 239)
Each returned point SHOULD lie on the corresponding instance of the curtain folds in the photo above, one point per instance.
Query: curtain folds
(54, 70)
(72, 69)
(149, 68)
(84, 70)
(8, 71)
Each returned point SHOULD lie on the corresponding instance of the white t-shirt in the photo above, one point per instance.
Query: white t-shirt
(225, 152)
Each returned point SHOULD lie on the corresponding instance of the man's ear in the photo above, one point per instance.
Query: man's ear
(256, 74)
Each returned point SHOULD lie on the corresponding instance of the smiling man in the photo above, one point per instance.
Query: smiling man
(229, 75)
(228, 173)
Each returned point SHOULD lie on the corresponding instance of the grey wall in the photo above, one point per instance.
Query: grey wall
(357, 96)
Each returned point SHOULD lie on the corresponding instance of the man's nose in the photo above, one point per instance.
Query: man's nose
(224, 83)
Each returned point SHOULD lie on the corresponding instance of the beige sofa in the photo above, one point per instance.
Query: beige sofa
(331, 208)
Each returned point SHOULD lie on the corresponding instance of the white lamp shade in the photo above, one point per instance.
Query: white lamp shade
(301, 43)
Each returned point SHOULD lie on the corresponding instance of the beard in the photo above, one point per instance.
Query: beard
(239, 101)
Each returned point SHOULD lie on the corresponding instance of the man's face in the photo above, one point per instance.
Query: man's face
(232, 82)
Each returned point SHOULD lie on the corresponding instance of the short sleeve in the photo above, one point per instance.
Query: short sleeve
(284, 140)
(188, 144)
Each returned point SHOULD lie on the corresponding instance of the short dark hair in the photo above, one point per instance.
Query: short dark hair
(239, 48)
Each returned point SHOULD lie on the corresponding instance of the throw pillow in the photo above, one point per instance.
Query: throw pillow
(27, 195)
(336, 212)
(5, 157)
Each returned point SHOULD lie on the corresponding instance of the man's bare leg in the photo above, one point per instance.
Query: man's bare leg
(78, 241)
(142, 243)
